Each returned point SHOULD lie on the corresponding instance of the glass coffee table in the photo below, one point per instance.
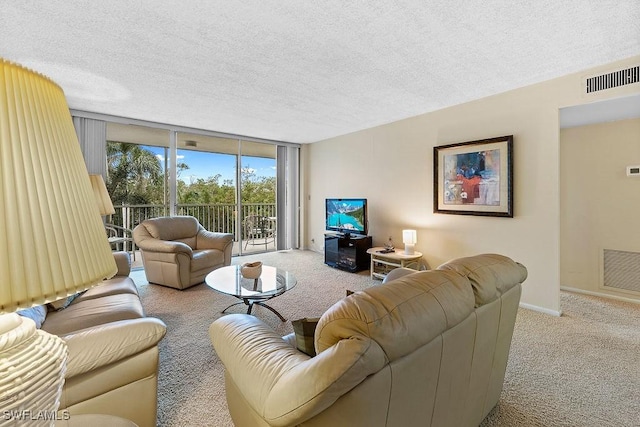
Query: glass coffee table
(271, 283)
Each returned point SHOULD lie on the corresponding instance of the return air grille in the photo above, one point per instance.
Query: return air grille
(614, 79)
(622, 270)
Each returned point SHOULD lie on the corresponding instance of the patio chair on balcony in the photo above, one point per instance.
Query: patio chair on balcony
(121, 239)
(259, 230)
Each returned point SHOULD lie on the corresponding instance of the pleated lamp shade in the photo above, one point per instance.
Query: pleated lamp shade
(101, 195)
(52, 239)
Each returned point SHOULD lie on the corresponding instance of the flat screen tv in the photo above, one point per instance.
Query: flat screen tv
(347, 216)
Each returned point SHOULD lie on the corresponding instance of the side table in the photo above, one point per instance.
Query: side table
(383, 263)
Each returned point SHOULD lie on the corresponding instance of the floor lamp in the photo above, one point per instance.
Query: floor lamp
(52, 240)
(105, 206)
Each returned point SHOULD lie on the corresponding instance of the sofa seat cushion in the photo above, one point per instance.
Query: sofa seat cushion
(92, 312)
(206, 258)
(63, 303)
(117, 285)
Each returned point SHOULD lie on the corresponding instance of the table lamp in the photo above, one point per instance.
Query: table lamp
(52, 240)
(409, 238)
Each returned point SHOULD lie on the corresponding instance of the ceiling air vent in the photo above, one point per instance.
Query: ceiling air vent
(614, 79)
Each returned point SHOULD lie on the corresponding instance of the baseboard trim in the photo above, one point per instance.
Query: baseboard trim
(599, 294)
(540, 309)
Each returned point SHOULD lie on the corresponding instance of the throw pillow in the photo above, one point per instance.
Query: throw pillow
(305, 330)
(37, 314)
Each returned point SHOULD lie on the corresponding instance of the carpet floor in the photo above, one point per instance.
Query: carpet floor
(577, 370)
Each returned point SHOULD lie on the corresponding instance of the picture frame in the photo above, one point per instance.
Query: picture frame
(474, 177)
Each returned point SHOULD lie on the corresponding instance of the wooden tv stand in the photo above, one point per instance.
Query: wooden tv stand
(347, 253)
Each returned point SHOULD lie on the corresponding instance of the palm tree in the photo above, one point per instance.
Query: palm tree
(135, 174)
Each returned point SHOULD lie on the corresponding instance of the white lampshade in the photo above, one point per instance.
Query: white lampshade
(409, 238)
(105, 207)
(52, 239)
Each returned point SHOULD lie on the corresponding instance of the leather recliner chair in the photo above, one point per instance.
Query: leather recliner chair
(178, 252)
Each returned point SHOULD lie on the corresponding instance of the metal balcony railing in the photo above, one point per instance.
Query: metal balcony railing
(220, 218)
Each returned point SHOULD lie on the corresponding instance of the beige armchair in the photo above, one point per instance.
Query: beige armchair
(178, 252)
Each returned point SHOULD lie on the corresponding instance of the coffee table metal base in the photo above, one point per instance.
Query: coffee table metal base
(249, 302)
(250, 291)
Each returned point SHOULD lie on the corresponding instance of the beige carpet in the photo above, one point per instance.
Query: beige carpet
(580, 370)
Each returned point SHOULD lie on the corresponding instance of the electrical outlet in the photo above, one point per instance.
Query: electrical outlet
(633, 170)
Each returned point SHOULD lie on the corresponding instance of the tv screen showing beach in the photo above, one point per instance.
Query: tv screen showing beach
(346, 215)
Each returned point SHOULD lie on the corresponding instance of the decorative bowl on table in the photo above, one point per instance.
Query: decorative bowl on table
(251, 270)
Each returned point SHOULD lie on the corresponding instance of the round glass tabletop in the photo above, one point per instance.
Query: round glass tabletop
(272, 282)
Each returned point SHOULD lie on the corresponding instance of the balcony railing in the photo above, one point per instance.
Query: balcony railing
(217, 217)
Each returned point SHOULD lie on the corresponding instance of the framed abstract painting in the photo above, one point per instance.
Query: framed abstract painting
(474, 178)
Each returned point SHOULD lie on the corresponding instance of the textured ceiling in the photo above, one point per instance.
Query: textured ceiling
(303, 71)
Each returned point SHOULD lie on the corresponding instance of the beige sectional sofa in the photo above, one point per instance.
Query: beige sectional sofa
(428, 348)
(113, 350)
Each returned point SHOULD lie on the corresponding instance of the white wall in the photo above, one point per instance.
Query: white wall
(392, 165)
(599, 204)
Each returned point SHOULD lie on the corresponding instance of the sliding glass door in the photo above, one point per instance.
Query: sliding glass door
(257, 195)
(229, 184)
(206, 184)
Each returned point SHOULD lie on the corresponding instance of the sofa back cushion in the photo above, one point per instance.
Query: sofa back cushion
(491, 275)
(93, 312)
(181, 228)
(401, 315)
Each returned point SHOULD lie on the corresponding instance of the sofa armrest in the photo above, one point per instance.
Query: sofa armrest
(397, 273)
(102, 345)
(166, 246)
(221, 241)
(282, 384)
(210, 240)
(123, 262)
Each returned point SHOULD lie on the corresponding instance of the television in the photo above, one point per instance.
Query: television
(346, 216)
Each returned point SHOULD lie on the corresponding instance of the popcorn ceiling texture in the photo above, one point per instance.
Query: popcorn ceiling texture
(306, 71)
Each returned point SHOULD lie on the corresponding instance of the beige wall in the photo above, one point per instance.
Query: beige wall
(599, 203)
(392, 165)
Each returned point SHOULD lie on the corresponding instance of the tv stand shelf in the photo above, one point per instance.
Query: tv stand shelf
(347, 253)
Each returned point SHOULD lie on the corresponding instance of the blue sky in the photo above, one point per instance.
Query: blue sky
(204, 165)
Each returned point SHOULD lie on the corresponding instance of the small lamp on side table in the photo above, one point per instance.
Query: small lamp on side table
(409, 238)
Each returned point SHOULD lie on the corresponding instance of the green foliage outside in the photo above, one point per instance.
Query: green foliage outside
(136, 177)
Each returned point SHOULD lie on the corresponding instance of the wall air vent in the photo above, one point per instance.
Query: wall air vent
(613, 79)
(621, 270)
